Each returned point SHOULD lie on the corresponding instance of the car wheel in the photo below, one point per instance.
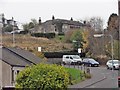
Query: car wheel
(79, 63)
(107, 67)
(90, 65)
(64, 63)
(113, 67)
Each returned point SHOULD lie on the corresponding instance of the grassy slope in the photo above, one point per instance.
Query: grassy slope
(32, 43)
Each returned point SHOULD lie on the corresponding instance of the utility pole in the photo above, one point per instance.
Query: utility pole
(119, 26)
(1, 27)
(13, 32)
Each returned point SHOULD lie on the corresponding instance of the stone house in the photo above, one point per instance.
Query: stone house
(57, 26)
(12, 61)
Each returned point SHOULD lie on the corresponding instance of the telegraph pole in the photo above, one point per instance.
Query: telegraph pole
(1, 27)
(13, 32)
(119, 26)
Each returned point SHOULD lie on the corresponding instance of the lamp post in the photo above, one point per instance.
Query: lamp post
(1, 27)
(13, 32)
(111, 37)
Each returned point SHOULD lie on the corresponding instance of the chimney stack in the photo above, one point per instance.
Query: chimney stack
(53, 17)
(39, 20)
(71, 19)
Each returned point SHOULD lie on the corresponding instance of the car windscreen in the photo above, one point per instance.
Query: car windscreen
(76, 57)
(92, 61)
(116, 62)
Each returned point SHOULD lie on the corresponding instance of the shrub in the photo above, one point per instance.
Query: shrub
(61, 33)
(46, 35)
(43, 76)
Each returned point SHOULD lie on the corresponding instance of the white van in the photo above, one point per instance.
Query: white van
(71, 59)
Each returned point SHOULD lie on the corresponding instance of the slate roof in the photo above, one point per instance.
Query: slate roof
(17, 57)
(63, 21)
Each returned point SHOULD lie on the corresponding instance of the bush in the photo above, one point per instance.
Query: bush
(61, 34)
(43, 76)
(46, 35)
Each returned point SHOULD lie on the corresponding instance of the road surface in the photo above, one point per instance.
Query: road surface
(101, 78)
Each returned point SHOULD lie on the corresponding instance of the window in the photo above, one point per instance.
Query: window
(67, 57)
(12, 75)
(71, 58)
(18, 71)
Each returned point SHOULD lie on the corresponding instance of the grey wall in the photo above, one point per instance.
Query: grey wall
(0, 74)
(6, 74)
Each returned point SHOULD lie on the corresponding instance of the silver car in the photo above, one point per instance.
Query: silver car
(113, 64)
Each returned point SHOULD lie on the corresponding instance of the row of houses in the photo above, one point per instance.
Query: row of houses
(50, 26)
(58, 26)
(12, 61)
(6, 22)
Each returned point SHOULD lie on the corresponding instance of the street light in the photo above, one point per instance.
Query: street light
(101, 35)
(1, 28)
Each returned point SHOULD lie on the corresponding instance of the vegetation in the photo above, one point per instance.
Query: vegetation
(116, 52)
(77, 75)
(43, 76)
(31, 44)
(8, 28)
(45, 35)
(77, 37)
(52, 77)
(30, 25)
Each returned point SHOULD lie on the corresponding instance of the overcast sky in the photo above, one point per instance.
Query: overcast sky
(24, 10)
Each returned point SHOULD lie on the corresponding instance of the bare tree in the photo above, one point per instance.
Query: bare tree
(96, 23)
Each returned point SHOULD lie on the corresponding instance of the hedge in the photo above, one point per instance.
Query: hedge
(43, 77)
(46, 35)
(60, 54)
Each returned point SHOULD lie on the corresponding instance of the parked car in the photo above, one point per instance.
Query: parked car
(119, 81)
(113, 64)
(90, 62)
(71, 59)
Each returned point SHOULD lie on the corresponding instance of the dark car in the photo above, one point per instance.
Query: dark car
(118, 81)
(90, 62)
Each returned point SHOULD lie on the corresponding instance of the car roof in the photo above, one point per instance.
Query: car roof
(114, 60)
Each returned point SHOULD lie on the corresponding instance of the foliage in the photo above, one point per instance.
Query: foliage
(25, 27)
(30, 25)
(32, 43)
(46, 35)
(43, 76)
(86, 35)
(34, 21)
(68, 35)
(96, 23)
(116, 52)
(75, 75)
(8, 28)
(77, 36)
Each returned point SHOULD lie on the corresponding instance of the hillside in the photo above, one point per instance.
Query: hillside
(32, 43)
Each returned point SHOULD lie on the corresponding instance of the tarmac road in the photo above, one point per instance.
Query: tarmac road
(101, 78)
